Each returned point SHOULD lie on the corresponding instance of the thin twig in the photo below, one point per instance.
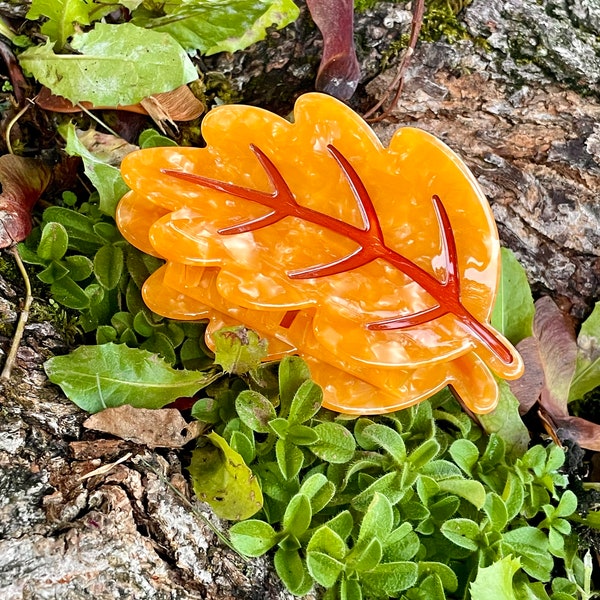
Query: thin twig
(398, 82)
(24, 316)
(11, 124)
(100, 122)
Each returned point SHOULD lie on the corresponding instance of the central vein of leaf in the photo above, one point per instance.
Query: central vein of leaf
(370, 242)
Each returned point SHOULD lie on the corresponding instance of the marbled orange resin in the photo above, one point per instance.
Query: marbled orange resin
(378, 265)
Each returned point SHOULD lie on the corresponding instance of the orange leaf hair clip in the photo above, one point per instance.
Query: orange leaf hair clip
(377, 265)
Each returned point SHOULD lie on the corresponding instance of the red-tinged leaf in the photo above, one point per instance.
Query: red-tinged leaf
(558, 354)
(23, 182)
(528, 388)
(550, 357)
(339, 71)
(583, 432)
(178, 105)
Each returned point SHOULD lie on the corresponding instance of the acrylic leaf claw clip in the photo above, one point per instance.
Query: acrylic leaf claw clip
(378, 265)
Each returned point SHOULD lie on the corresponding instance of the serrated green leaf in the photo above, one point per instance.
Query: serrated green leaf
(335, 445)
(238, 349)
(513, 310)
(98, 377)
(104, 177)
(587, 370)
(292, 571)
(63, 16)
(108, 266)
(253, 537)
(255, 410)
(117, 64)
(54, 242)
(495, 582)
(221, 25)
(221, 478)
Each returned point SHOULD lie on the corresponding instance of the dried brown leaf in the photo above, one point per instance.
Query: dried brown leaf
(178, 105)
(164, 428)
(585, 433)
(23, 182)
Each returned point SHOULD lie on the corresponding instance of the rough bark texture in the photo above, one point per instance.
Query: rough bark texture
(518, 100)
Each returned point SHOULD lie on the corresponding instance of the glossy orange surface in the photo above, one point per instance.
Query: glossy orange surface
(378, 265)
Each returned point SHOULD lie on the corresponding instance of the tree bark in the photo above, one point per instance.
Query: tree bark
(517, 99)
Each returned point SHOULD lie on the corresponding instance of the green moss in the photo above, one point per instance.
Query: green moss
(441, 20)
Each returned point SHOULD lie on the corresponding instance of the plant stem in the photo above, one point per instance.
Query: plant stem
(18, 335)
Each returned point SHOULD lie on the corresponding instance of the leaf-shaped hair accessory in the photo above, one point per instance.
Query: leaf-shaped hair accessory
(378, 265)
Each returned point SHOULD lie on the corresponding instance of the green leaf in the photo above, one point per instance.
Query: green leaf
(53, 243)
(253, 537)
(63, 16)
(220, 25)
(306, 402)
(289, 459)
(328, 540)
(378, 520)
(496, 512)
(513, 310)
(242, 444)
(462, 532)
(301, 435)
(104, 177)
(150, 138)
(506, 421)
(80, 267)
(343, 523)
(446, 575)
(108, 266)
(465, 454)
(472, 491)
(319, 490)
(255, 410)
(53, 272)
(69, 294)
(98, 377)
(80, 228)
(392, 578)
(221, 478)
(298, 515)
(587, 370)
(350, 589)
(531, 545)
(323, 568)
(293, 372)
(335, 445)
(238, 349)
(421, 455)
(567, 504)
(495, 582)
(388, 439)
(117, 64)
(292, 571)
(365, 556)
(158, 343)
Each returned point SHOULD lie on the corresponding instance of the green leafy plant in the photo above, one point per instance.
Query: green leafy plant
(414, 504)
